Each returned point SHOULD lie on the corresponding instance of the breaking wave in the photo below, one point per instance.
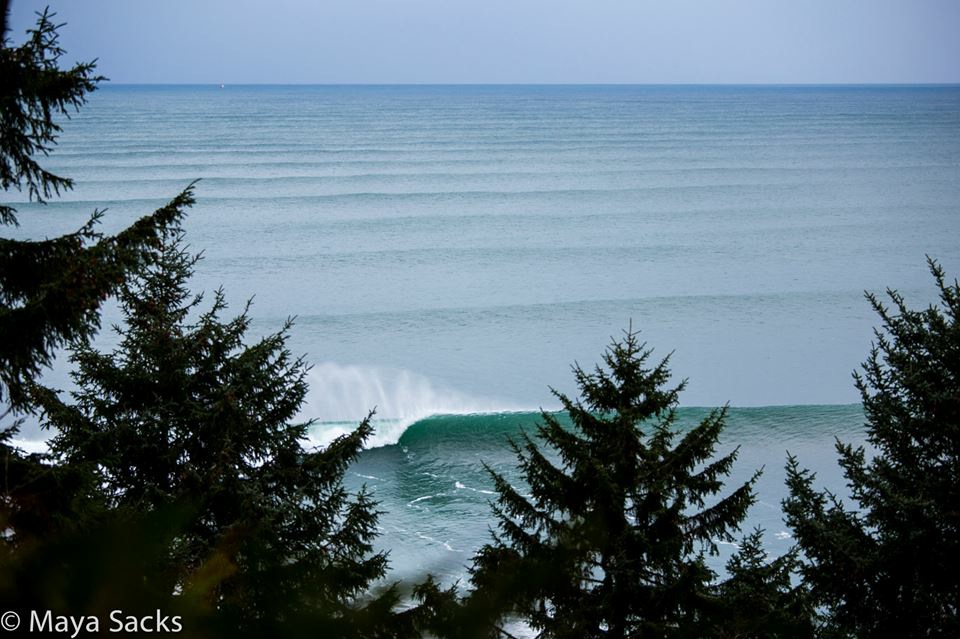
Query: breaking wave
(340, 396)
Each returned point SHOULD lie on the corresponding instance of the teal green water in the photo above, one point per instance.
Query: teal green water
(452, 250)
(437, 494)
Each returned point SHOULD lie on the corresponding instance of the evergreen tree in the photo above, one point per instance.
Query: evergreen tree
(611, 541)
(34, 89)
(50, 290)
(758, 596)
(883, 563)
(184, 415)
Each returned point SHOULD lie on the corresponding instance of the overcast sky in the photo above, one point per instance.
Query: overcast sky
(510, 41)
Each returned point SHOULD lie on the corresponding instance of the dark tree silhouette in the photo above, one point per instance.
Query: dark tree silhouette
(185, 415)
(50, 290)
(611, 540)
(759, 597)
(883, 562)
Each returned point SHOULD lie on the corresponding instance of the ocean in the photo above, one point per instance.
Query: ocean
(449, 251)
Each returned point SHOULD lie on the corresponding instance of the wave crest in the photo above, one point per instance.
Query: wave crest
(340, 396)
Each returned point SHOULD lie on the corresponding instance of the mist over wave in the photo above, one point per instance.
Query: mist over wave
(340, 396)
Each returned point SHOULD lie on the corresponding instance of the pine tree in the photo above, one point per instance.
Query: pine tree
(759, 597)
(34, 89)
(883, 562)
(184, 414)
(50, 290)
(611, 541)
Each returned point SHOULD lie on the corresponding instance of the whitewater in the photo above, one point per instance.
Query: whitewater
(340, 396)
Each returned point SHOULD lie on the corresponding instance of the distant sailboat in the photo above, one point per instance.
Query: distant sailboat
(221, 86)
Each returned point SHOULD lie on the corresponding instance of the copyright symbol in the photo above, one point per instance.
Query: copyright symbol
(10, 621)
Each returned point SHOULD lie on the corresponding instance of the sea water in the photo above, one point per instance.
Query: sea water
(450, 251)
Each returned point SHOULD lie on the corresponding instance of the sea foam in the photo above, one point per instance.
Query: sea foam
(340, 396)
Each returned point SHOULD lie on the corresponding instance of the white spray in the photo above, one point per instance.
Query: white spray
(341, 396)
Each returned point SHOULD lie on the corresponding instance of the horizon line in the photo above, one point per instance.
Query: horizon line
(107, 82)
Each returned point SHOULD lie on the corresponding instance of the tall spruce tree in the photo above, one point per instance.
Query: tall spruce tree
(882, 563)
(612, 539)
(185, 415)
(50, 290)
(759, 597)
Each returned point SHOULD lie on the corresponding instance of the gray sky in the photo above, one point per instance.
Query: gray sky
(511, 41)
